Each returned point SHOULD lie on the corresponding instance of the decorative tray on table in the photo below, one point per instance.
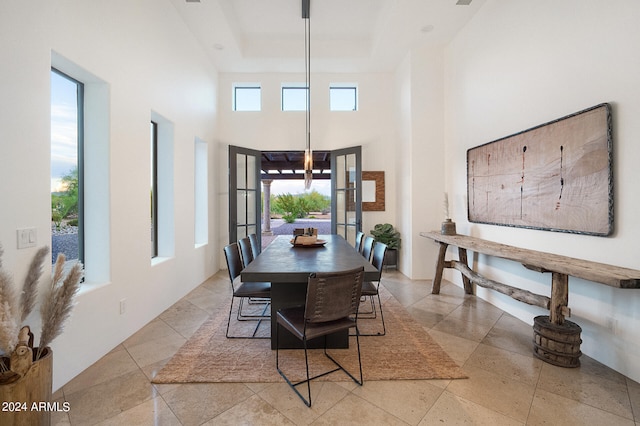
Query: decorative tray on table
(307, 241)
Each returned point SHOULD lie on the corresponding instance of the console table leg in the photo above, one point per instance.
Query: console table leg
(559, 297)
(462, 255)
(437, 280)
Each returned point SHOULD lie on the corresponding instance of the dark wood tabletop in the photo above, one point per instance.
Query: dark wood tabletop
(287, 268)
(282, 262)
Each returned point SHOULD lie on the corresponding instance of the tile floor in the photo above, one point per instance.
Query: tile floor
(506, 385)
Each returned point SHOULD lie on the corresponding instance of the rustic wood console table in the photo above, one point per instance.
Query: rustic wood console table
(561, 267)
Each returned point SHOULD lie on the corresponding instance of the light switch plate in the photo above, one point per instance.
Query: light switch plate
(27, 237)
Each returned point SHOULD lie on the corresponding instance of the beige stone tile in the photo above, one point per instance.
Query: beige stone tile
(184, 317)
(59, 418)
(197, 403)
(425, 318)
(583, 386)
(152, 351)
(634, 396)
(408, 400)
(353, 411)
(549, 408)
(523, 368)
(464, 329)
(324, 395)
(435, 304)
(509, 397)
(107, 399)
(207, 299)
(110, 366)
(252, 411)
(455, 410)
(152, 412)
(155, 329)
(516, 338)
(482, 313)
(406, 293)
(458, 348)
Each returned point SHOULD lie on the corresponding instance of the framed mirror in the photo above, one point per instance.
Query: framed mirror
(372, 191)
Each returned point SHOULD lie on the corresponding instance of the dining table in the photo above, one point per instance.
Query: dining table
(287, 268)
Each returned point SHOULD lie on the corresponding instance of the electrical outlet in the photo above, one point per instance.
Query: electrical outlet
(123, 306)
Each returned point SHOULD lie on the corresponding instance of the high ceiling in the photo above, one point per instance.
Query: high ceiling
(346, 35)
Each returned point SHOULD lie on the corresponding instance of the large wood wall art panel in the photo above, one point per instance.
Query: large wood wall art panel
(556, 176)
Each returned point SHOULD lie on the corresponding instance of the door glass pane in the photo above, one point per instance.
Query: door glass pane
(251, 172)
(241, 214)
(340, 172)
(241, 170)
(251, 207)
(340, 207)
(351, 170)
(350, 233)
(242, 232)
(251, 230)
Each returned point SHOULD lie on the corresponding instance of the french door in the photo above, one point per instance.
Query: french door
(346, 192)
(244, 193)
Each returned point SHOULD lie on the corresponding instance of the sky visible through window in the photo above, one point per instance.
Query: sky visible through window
(64, 129)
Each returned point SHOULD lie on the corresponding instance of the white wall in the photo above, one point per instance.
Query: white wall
(419, 90)
(147, 61)
(518, 64)
(371, 127)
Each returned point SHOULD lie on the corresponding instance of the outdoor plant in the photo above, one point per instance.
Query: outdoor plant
(16, 339)
(385, 233)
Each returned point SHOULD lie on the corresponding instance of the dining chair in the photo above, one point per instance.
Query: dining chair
(367, 247)
(331, 305)
(358, 243)
(244, 290)
(371, 289)
(246, 251)
(255, 246)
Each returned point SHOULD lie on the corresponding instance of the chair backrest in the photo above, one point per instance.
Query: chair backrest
(377, 259)
(367, 247)
(234, 264)
(333, 295)
(358, 244)
(245, 249)
(255, 246)
(298, 231)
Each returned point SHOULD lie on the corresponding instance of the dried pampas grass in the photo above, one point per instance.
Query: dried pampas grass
(9, 328)
(54, 310)
(58, 302)
(30, 286)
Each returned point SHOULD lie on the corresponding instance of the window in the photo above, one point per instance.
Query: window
(294, 97)
(91, 120)
(201, 210)
(154, 189)
(343, 97)
(67, 134)
(246, 97)
(162, 188)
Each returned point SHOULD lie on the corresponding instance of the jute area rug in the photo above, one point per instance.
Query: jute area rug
(406, 352)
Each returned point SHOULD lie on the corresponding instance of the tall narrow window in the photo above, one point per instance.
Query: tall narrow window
(201, 211)
(247, 97)
(67, 134)
(343, 97)
(154, 189)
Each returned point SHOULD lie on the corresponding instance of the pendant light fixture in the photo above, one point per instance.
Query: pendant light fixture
(308, 154)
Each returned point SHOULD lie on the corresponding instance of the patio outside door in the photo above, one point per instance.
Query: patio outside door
(244, 193)
(346, 193)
